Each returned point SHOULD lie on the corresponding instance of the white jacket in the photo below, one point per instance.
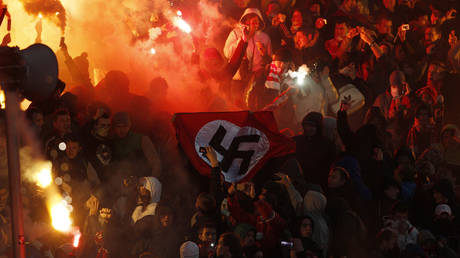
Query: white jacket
(252, 53)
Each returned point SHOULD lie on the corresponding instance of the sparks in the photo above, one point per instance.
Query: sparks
(152, 51)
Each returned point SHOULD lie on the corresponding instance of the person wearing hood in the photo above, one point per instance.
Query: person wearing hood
(314, 152)
(304, 244)
(450, 144)
(259, 51)
(149, 197)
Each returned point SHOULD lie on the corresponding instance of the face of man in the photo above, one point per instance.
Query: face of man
(384, 26)
(102, 127)
(335, 179)
(72, 150)
(431, 35)
(166, 220)
(208, 235)
(306, 229)
(297, 19)
(62, 124)
(300, 40)
(340, 32)
(121, 130)
(253, 23)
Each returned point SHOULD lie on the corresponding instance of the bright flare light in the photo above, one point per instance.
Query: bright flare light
(2, 100)
(76, 239)
(152, 51)
(179, 13)
(182, 25)
(300, 74)
(40, 15)
(43, 177)
(60, 216)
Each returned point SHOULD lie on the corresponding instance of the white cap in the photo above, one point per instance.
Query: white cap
(189, 250)
(443, 208)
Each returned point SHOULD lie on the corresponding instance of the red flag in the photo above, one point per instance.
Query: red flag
(243, 141)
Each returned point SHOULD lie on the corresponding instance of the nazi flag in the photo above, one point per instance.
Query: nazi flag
(243, 141)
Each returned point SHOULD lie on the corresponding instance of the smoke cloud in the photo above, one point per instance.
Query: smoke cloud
(51, 9)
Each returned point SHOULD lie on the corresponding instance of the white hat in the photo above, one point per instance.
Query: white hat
(442, 208)
(189, 250)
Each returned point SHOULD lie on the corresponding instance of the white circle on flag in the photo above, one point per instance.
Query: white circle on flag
(232, 131)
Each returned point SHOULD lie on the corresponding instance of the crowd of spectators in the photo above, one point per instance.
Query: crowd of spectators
(374, 121)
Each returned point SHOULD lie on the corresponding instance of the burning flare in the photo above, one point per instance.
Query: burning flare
(60, 216)
(44, 178)
(2, 99)
(300, 74)
(181, 24)
(76, 238)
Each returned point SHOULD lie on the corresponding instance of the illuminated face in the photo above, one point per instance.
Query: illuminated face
(384, 26)
(431, 35)
(72, 150)
(306, 229)
(335, 179)
(297, 19)
(208, 235)
(340, 32)
(122, 130)
(166, 220)
(253, 23)
(62, 124)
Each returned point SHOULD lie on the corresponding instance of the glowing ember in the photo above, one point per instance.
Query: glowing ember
(43, 177)
(76, 238)
(300, 74)
(152, 51)
(60, 216)
(2, 100)
(182, 25)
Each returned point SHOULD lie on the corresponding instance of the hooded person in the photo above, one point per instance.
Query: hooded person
(314, 204)
(149, 197)
(259, 45)
(314, 152)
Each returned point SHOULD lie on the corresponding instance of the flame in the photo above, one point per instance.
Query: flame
(43, 178)
(60, 216)
(2, 99)
(153, 51)
(40, 16)
(76, 238)
(25, 104)
(182, 25)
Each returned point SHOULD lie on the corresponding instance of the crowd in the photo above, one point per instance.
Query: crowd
(374, 120)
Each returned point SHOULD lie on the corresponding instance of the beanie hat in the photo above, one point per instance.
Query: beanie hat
(189, 250)
(121, 118)
(242, 230)
(442, 208)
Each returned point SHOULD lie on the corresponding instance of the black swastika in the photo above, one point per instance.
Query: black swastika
(233, 153)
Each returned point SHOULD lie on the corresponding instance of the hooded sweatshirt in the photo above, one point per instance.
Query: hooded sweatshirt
(154, 186)
(314, 204)
(252, 53)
